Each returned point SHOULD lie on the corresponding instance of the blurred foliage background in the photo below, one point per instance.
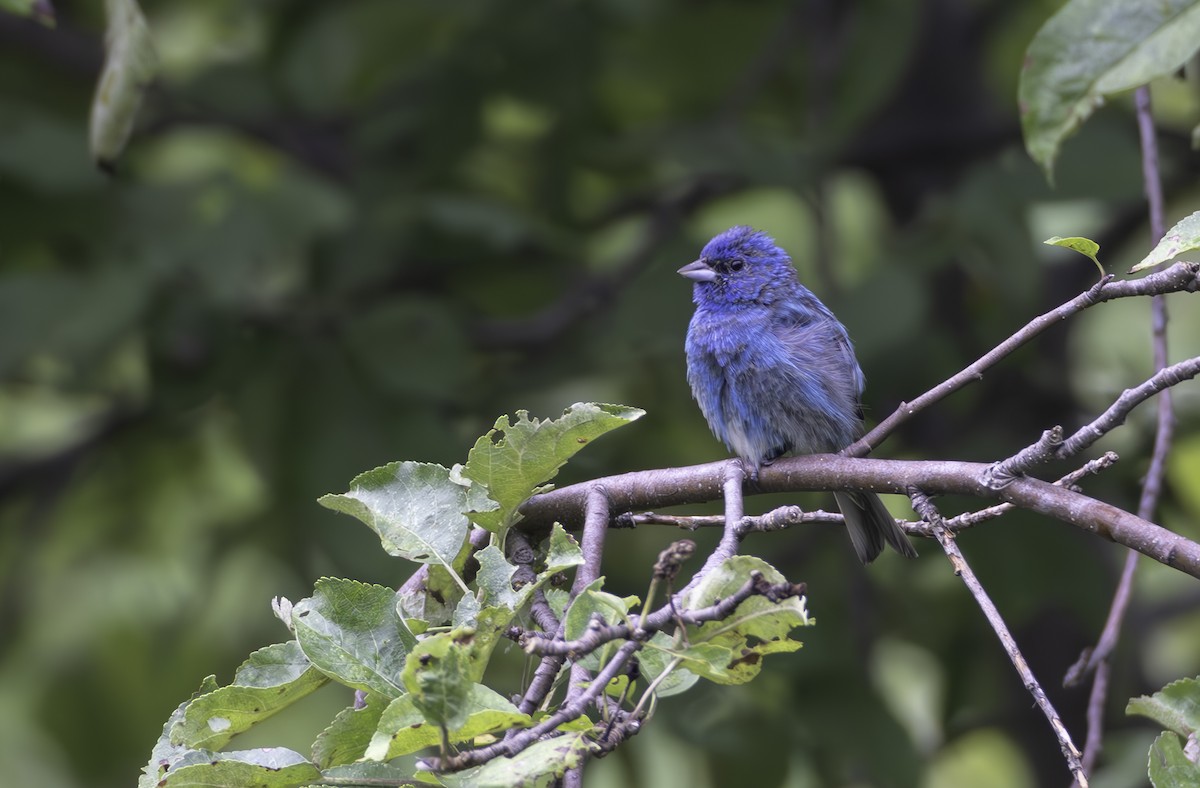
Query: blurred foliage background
(348, 233)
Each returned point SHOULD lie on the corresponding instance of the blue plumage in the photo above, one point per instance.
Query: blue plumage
(774, 371)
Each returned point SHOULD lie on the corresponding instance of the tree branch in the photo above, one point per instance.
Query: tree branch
(672, 486)
(1180, 277)
(924, 507)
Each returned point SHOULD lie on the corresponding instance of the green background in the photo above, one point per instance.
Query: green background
(347, 233)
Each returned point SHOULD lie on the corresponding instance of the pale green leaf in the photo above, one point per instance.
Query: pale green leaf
(1176, 706)
(417, 509)
(1169, 766)
(658, 656)
(351, 632)
(538, 766)
(1094, 48)
(345, 740)
(270, 767)
(495, 578)
(129, 65)
(1085, 246)
(437, 674)
(166, 754)
(562, 552)
(591, 602)
(756, 628)
(271, 679)
(403, 728)
(1183, 237)
(514, 458)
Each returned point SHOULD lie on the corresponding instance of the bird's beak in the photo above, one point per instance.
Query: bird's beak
(698, 272)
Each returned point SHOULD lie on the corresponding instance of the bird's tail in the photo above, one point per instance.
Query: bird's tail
(870, 525)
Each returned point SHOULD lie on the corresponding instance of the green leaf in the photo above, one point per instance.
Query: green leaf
(129, 66)
(1176, 706)
(659, 655)
(1183, 237)
(166, 754)
(592, 601)
(364, 773)
(513, 459)
(345, 740)
(757, 627)
(403, 728)
(351, 632)
(40, 10)
(538, 766)
(271, 679)
(562, 553)
(1094, 48)
(1169, 766)
(435, 602)
(416, 508)
(1085, 246)
(270, 767)
(495, 578)
(437, 675)
(706, 660)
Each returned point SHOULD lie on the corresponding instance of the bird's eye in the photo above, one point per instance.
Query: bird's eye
(736, 265)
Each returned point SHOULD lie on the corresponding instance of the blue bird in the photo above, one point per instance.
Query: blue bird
(774, 371)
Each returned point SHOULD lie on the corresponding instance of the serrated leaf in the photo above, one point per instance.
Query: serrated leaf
(166, 753)
(129, 65)
(538, 766)
(1091, 49)
(351, 632)
(1176, 706)
(1085, 246)
(365, 773)
(756, 628)
(269, 767)
(416, 508)
(403, 728)
(513, 460)
(1183, 237)
(346, 738)
(657, 657)
(562, 552)
(271, 679)
(495, 578)
(1169, 766)
(437, 675)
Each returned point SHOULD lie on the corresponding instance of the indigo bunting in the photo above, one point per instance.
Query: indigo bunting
(774, 371)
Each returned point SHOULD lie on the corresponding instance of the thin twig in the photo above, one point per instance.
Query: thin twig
(928, 511)
(1098, 659)
(1177, 278)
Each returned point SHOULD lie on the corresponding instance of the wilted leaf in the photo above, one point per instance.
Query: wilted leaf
(166, 753)
(129, 65)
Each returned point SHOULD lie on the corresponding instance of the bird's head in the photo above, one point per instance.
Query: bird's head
(740, 265)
